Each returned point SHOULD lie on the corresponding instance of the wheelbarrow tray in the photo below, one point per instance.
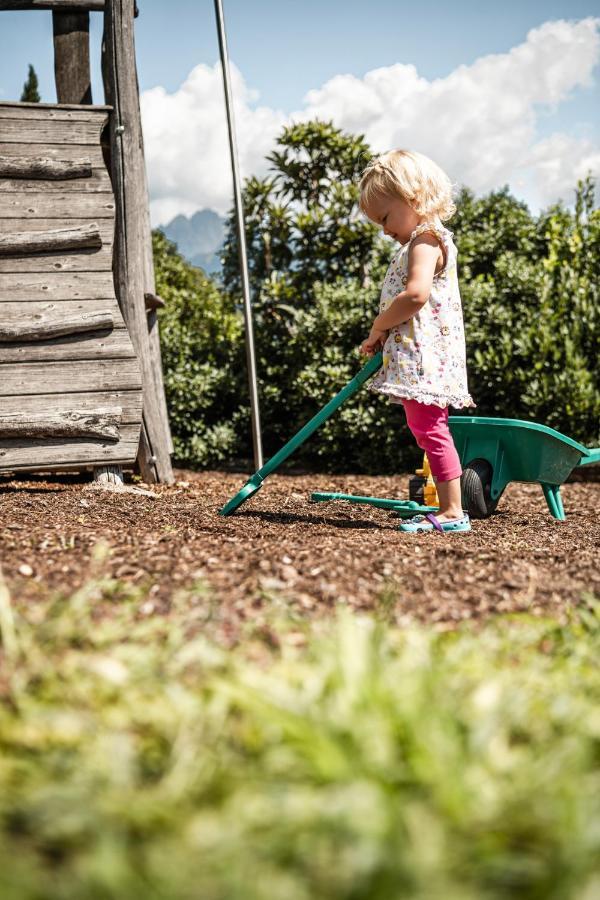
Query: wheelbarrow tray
(518, 450)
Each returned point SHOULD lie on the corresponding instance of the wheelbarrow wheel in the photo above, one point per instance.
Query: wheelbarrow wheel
(476, 483)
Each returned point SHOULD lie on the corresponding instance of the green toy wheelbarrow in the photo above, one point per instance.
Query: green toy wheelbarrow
(494, 452)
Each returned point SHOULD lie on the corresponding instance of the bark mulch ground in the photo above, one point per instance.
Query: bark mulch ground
(280, 547)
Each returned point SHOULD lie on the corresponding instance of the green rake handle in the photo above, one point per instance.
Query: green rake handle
(317, 420)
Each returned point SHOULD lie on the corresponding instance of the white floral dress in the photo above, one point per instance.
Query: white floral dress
(424, 359)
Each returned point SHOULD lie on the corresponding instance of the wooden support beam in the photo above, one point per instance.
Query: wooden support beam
(41, 327)
(44, 168)
(72, 56)
(109, 475)
(132, 235)
(152, 319)
(102, 424)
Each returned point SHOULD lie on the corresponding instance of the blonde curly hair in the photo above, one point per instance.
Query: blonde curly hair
(413, 177)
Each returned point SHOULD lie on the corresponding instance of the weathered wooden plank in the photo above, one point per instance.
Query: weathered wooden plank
(82, 261)
(102, 424)
(28, 242)
(26, 287)
(58, 113)
(50, 131)
(128, 175)
(63, 308)
(28, 326)
(55, 377)
(46, 107)
(63, 468)
(129, 401)
(57, 205)
(27, 167)
(91, 5)
(115, 344)
(97, 182)
(34, 453)
(53, 151)
(105, 226)
(71, 30)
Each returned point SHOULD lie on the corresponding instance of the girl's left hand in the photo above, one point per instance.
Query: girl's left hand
(373, 343)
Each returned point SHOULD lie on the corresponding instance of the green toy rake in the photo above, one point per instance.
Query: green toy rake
(255, 483)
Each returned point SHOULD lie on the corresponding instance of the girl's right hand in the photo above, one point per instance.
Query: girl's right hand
(373, 343)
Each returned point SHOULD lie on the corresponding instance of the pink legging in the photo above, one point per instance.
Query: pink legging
(429, 426)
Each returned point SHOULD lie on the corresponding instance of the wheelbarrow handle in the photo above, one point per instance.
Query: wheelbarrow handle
(592, 456)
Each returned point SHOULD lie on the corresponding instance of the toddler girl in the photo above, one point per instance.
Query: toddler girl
(420, 324)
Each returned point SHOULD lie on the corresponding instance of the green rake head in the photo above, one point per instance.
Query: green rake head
(250, 488)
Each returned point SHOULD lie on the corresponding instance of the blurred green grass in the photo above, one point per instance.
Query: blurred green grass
(336, 758)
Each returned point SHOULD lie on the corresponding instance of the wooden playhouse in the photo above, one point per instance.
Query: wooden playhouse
(80, 370)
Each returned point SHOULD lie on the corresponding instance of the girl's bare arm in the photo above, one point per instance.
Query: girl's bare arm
(423, 258)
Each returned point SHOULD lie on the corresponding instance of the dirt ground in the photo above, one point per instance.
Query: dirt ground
(280, 545)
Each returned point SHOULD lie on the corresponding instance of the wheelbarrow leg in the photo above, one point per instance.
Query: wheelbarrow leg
(554, 500)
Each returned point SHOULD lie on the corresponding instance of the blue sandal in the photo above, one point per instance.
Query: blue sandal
(428, 522)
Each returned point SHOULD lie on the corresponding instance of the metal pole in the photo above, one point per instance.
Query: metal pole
(239, 210)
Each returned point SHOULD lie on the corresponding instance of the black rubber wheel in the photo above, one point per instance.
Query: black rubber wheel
(475, 485)
(415, 488)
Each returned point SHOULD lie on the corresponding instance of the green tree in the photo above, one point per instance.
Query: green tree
(486, 227)
(302, 222)
(530, 296)
(30, 92)
(202, 350)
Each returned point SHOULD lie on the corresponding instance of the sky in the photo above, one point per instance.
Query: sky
(496, 93)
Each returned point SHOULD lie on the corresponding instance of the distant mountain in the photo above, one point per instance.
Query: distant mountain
(199, 238)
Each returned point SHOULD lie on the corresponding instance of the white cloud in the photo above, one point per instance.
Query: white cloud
(479, 122)
(186, 145)
(557, 163)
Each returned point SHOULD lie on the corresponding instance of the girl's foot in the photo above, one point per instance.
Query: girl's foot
(450, 515)
(429, 522)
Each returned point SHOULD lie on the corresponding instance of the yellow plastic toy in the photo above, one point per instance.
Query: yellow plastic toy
(430, 496)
